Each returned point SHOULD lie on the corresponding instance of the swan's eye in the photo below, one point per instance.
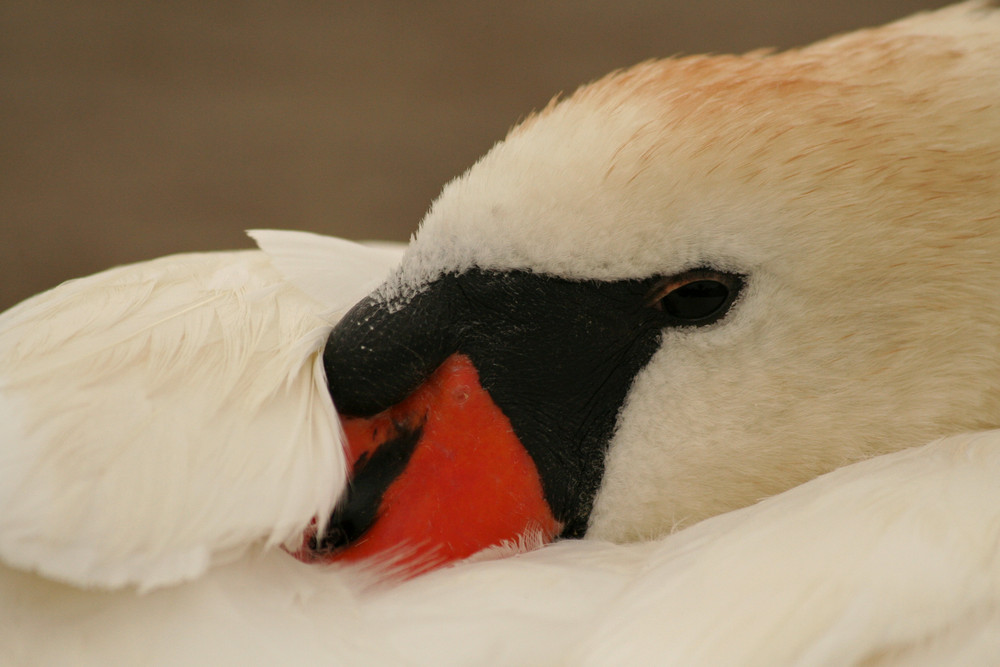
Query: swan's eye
(698, 297)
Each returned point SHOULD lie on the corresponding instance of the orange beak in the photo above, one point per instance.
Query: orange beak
(434, 479)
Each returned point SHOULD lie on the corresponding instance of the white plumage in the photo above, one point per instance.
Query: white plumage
(165, 427)
(208, 368)
(889, 561)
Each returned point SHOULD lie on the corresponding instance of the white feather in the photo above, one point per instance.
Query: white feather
(868, 564)
(304, 259)
(164, 416)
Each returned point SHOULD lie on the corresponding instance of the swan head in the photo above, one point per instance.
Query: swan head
(688, 286)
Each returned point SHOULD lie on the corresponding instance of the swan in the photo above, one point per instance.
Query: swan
(730, 319)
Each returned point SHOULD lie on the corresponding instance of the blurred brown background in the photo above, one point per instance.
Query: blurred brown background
(132, 130)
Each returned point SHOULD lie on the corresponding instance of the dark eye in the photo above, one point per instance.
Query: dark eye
(698, 297)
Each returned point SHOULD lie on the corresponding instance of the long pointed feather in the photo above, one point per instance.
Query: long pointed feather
(331, 270)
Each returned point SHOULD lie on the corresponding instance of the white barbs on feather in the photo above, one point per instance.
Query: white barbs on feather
(164, 416)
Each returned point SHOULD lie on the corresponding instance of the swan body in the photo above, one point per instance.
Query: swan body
(166, 428)
(890, 561)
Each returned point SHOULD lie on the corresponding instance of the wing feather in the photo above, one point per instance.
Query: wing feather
(161, 417)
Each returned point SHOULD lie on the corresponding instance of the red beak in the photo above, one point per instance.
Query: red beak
(452, 479)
